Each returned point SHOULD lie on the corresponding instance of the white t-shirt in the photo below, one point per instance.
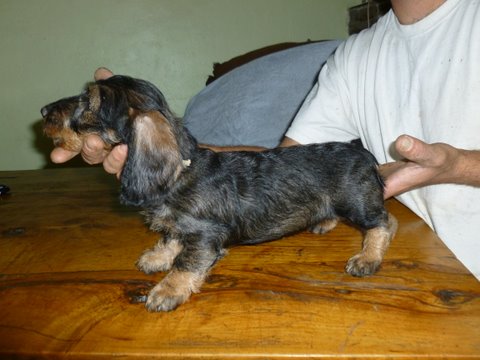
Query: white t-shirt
(423, 80)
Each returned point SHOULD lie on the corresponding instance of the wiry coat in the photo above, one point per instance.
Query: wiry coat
(203, 202)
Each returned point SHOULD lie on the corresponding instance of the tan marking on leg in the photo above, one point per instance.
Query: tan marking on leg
(375, 245)
(324, 226)
(160, 258)
(174, 290)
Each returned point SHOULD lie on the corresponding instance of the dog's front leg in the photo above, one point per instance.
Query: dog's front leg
(188, 273)
(174, 289)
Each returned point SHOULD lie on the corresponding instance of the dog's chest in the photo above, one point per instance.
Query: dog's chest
(161, 219)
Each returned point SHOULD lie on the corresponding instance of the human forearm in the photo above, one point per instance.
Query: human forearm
(285, 143)
(468, 168)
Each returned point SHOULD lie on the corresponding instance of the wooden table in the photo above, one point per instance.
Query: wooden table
(69, 287)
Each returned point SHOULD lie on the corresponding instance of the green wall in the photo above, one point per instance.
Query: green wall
(50, 49)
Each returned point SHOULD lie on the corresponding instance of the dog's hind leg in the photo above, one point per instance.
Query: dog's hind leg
(161, 257)
(324, 226)
(375, 245)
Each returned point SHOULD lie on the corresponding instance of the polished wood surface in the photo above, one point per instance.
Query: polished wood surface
(69, 287)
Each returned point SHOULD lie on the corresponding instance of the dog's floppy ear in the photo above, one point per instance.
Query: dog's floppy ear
(153, 161)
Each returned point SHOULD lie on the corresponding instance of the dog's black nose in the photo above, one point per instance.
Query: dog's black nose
(44, 111)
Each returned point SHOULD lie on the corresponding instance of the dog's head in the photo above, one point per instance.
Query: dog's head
(129, 111)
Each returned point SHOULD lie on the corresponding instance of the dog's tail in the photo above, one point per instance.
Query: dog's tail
(358, 143)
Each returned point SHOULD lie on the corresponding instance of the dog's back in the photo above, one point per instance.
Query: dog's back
(264, 196)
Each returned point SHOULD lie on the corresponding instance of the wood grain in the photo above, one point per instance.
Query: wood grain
(69, 287)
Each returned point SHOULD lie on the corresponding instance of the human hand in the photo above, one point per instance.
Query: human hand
(423, 164)
(94, 150)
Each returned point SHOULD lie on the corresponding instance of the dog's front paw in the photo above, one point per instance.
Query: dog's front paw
(360, 265)
(164, 298)
(160, 258)
(174, 290)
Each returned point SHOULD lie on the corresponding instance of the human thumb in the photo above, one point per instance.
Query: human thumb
(412, 148)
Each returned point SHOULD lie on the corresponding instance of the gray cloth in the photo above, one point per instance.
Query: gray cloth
(255, 103)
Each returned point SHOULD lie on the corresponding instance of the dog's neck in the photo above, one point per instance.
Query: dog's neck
(186, 142)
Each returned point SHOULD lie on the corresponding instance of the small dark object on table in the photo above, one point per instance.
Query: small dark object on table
(4, 189)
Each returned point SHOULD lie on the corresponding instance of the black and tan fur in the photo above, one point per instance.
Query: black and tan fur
(203, 202)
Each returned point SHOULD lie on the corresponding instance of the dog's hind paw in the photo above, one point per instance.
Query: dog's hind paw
(359, 265)
(324, 226)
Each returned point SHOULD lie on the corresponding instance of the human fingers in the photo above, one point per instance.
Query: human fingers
(387, 169)
(409, 147)
(114, 162)
(60, 155)
(93, 150)
(102, 73)
(399, 176)
(417, 168)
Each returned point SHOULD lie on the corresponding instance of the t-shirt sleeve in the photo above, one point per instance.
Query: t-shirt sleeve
(326, 113)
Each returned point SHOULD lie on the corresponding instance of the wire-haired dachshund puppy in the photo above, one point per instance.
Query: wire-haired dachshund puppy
(202, 202)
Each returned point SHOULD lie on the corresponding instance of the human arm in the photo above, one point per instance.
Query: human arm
(425, 164)
(247, 113)
(231, 148)
(429, 164)
(285, 143)
(422, 164)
